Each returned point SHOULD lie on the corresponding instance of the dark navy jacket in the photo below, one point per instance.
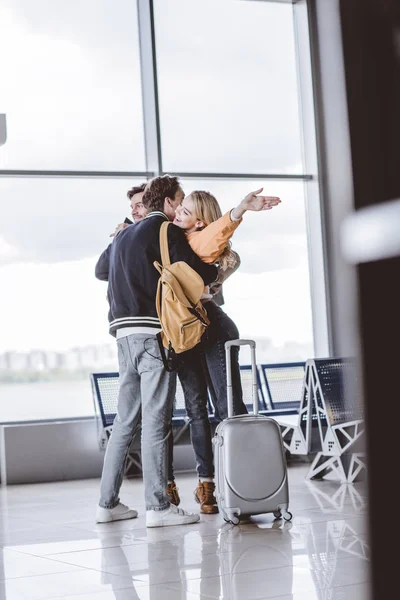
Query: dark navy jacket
(127, 265)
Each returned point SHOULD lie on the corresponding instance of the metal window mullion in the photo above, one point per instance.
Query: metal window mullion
(274, 176)
(314, 218)
(73, 174)
(148, 67)
(149, 174)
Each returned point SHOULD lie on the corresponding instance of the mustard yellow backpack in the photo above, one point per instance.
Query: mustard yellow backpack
(183, 317)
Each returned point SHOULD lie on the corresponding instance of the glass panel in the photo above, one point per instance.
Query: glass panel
(269, 296)
(54, 330)
(227, 80)
(70, 85)
(54, 325)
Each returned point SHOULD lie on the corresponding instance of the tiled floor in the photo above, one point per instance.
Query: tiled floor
(51, 548)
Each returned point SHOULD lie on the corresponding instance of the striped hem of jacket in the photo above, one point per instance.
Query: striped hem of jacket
(151, 322)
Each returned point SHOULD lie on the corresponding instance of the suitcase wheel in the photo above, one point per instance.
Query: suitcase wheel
(234, 520)
(278, 514)
(288, 516)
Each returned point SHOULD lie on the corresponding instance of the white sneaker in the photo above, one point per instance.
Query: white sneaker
(118, 513)
(171, 516)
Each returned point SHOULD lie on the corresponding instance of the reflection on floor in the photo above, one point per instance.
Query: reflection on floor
(51, 548)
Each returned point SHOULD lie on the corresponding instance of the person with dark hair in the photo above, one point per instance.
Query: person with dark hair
(138, 212)
(146, 390)
(160, 188)
(136, 189)
(135, 196)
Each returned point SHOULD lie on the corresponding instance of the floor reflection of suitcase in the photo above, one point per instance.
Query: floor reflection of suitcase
(250, 462)
(246, 559)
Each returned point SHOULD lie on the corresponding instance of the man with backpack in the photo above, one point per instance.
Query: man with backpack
(147, 389)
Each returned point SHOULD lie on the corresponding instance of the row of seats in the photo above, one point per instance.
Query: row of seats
(279, 391)
(316, 404)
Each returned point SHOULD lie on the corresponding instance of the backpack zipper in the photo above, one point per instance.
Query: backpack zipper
(186, 324)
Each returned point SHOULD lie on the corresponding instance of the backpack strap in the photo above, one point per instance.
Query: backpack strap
(169, 358)
(165, 259)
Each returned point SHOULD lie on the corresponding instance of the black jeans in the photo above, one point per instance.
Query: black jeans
(192, 376)
(202, 367)
(222, 329)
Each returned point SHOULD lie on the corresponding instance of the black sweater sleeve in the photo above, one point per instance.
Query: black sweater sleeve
(103, 265)
(179, 249)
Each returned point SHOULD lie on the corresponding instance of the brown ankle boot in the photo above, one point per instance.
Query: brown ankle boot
(204, 495)
(173, 495)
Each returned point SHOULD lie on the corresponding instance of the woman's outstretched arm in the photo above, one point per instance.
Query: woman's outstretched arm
(210, 242)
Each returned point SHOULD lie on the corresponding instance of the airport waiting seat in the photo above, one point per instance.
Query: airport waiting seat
(283, 391)
(337, 418)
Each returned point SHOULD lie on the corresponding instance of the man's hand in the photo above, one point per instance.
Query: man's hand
(255, 203)
(119, 228)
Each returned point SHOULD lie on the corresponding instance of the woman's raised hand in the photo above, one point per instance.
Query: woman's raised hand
(256, 203)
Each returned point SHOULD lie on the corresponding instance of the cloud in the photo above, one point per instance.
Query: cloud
(227, 86)
(228, 102)
(52, 306)
(60, 306)
(50, 220)
(70, 86)
(8, 253)
(229, 83)
(57, 220)
(260, 254)
(274, 305)
(76, 102)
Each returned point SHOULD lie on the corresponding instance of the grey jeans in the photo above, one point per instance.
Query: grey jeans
(146, 392)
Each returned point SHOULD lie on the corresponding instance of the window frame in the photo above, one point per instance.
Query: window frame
(153, 155)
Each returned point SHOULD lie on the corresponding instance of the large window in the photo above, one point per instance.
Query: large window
(54, 325)
(227, 84)
(70, 85)
(225, 116)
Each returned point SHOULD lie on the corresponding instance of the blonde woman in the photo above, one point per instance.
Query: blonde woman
(208, 233)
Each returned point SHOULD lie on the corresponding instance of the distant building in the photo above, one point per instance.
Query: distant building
(36, 360)
(53, 360)
(4, 362)
(102, 357)
(70, 360)
(16, 361)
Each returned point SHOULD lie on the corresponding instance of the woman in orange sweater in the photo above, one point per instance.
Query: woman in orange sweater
(209, 233)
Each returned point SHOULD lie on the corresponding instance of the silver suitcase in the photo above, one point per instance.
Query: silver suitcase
(250, 462)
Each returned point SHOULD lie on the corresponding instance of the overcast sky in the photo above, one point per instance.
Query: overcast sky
(70, 86)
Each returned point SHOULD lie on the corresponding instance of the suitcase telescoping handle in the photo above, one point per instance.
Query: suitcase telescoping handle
(254, 385)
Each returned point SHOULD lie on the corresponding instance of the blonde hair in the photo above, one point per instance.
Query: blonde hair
(208, 210)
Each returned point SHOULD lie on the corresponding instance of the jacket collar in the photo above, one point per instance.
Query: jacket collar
(156, 213)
